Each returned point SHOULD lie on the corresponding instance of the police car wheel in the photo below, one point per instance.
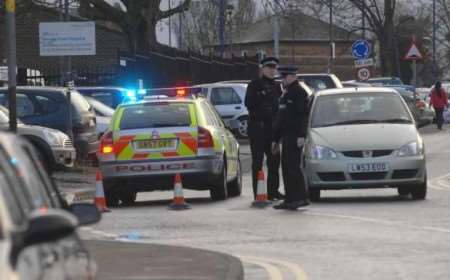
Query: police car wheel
(111, 196)
(128, 198)
(220, 190)
(235, 187)
(314, 195)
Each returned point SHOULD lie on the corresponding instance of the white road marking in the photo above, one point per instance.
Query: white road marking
(292, 267)
(379, 221)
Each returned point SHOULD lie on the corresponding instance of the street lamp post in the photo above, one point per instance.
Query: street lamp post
(435, 74)
(10, 7)
(330, 62)
(230, 9)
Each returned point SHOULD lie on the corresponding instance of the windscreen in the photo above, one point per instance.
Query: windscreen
(156, 115)
(361, 108)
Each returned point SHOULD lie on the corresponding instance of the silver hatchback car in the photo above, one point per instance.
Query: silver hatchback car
(363, 138)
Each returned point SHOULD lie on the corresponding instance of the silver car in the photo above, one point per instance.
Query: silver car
(363, 138)
(53, 147)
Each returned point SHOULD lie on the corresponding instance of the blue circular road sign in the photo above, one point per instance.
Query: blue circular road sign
(361, 49)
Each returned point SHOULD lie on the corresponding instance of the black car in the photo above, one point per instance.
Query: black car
(38, 237)
(110, 96)
(49, 107)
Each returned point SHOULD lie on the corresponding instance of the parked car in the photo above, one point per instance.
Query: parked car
(152, 141)
(228, 99)
(423, 93)
(422, 113)
(353, 84)
(320, 81)
(343, 149)
(53, 147)
(103, 113)
(49, 107)
(391, 82)
(38, 230)
(110, 96)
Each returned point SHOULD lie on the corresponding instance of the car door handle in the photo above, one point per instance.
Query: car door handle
(238, 107)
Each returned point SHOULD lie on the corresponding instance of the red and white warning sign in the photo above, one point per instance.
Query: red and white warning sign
(363, 74)
(413, 53)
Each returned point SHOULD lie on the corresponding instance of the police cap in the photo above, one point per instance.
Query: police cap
(287, 70)
(269, 61)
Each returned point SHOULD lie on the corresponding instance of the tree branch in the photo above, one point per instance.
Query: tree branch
(181, 8)
(106, 9)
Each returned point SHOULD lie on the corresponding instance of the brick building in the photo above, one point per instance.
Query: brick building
(304, 41)
(109, 40)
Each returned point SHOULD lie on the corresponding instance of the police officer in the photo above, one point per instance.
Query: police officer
(261, 101)
(290, 127)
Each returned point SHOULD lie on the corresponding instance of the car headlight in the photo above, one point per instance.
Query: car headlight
(411, 149)
(321, 152)
(53, 138)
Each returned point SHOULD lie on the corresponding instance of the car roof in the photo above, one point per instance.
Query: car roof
(356, 90)
(37, 88)
(161, 100)
(99, 88)
(315, 74)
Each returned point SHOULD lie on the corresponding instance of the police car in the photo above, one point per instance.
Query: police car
(150, 141)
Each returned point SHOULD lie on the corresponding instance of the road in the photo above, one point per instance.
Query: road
(357, 234)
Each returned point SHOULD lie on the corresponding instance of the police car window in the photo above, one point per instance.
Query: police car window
(209, 117)
(154, 115)
(224, 96)
(216, 117)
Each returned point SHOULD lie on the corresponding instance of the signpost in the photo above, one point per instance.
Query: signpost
(361, 51)
(10, 7)
(413, 54)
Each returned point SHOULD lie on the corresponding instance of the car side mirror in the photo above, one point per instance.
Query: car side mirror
(87, 213)
(422, 123)
(45, 225)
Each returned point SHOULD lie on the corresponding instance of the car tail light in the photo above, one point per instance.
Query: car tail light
(205, 139)
(107, 143)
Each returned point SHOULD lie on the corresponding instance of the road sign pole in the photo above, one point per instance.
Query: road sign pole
(10, 6)
(414, 73)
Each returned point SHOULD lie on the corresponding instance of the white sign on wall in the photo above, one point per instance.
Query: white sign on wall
(67, 38)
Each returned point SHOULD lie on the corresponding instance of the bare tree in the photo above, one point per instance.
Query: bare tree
(136, 18)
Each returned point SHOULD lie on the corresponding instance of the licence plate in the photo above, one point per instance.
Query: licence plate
(157, 144)
(368, 167)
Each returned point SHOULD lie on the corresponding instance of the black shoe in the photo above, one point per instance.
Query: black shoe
(283, 205)
(279, 195)
(297, 204)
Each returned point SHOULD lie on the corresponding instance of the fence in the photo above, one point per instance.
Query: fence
(165, 68)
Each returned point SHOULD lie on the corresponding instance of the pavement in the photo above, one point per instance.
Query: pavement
(121, 261)
(350, 234)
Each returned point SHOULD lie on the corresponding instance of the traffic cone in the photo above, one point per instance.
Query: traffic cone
(178, 197)
(99, 199)
(261, 200)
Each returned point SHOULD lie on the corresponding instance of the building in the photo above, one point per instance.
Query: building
(304, 41)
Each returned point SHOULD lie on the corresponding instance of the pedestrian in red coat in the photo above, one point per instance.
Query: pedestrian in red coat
(439, 101)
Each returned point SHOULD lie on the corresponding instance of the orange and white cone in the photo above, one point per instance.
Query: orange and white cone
(261, 200)
(178, 197)
(99, 199)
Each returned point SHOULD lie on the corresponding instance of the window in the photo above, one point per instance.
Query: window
(15, 212)
(208, 115)
(224, 96)
(47, 105)
(106, 98)
(214, 115)
(155, 115)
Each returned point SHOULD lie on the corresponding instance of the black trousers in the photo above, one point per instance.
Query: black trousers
(294, 183)
(260, 144)
(439, 117)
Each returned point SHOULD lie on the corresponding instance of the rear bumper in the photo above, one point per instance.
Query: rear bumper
(146, 175)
